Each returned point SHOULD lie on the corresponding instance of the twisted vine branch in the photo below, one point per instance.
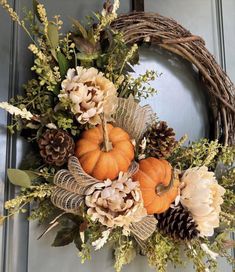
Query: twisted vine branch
(139, 27)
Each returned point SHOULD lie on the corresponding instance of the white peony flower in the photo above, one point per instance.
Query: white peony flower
(89, 93)
(202, 195)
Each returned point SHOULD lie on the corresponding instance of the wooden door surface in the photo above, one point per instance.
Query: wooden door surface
(180, 101)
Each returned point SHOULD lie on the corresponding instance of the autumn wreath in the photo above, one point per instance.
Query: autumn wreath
(104, 168)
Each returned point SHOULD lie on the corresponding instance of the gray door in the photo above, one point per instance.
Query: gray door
(180, 101)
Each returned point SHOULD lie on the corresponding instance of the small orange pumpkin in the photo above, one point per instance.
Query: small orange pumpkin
(155, 178)
(103, 164)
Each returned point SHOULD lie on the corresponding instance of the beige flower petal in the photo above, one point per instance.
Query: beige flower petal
(119, 203)
(202, 196)
(90, 94)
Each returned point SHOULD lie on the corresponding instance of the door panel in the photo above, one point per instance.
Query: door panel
(228, 13)
(180, 98)
(17, 71)
(197, 16)
(4, 85)
(179, 83)
(179, 101)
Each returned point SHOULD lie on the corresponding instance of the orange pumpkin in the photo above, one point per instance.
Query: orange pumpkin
(157, 185)
(103, 164)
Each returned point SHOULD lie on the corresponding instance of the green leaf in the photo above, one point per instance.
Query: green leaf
(63, 64)
(128, 68)
(84, 45)
(32, 175)
(30, 160)
(135, 58)
(53, 35)
(77, 240)
(87, 57)
(90, 36)
(107, 43)
(53, 52)
(63, 237)
(76, 219)
(81, 29)
(35, 9)
(19, 177)
(56, 89)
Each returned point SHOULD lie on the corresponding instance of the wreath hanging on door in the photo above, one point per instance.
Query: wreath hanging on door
(103, 167)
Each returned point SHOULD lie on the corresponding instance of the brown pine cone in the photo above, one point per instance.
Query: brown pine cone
(178, 223)
(160, 140)
(56, 146)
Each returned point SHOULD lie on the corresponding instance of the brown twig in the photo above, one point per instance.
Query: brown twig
(139, 27)
(182, 40)
(193, 60)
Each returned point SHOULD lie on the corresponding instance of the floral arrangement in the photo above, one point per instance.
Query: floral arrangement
(103, 167)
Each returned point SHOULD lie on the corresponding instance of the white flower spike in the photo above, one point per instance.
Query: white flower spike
(211, 253)
(99, 243)
(16, 111)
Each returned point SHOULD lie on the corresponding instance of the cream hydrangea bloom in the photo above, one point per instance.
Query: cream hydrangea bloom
(90, 94)
(202, 195)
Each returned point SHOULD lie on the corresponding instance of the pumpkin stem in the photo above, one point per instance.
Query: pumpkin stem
(106, 144)
(161, 189)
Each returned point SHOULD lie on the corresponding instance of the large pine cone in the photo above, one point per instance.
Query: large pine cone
(160, 140)
(178, 223)
(56, 146)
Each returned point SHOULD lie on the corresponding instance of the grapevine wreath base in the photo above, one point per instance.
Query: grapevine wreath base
(103, 168)
(158, 30)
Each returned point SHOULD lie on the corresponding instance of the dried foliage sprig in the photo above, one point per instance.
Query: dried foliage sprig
(203, 152)
(19, 204)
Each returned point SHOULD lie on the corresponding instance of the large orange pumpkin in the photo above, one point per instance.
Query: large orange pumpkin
(159, 189)
(103, 164)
